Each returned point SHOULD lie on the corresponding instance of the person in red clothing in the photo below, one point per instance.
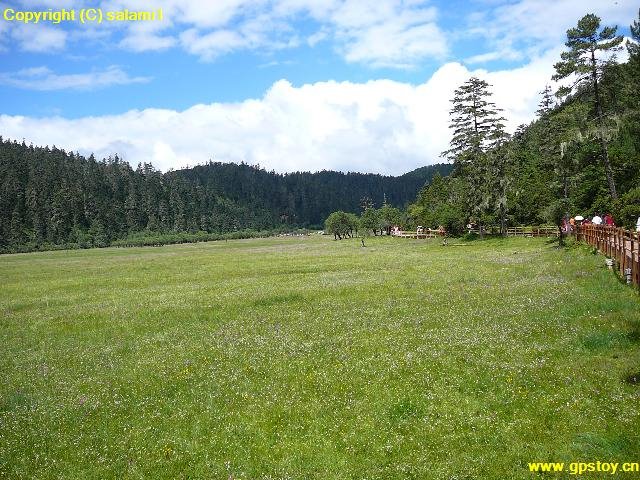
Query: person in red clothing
(608, 220)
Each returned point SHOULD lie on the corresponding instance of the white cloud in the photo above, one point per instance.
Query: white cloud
(379, 126)
(517, 90)
(213, 44)
(382, 33)
(389, 34)
(215, 14)
(395, 33)
(39, 38)
(144, 41)
(43, 79)
(146, 36)
(536, 25)
(317, 37)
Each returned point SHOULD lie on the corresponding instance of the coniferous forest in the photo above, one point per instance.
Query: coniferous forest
(50, 197)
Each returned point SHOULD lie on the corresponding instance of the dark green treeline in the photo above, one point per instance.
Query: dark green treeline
(52, 197)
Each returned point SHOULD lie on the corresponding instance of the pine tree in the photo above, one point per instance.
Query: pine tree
(586, 42)
(476, 123)
(478, 129)
(547, 103)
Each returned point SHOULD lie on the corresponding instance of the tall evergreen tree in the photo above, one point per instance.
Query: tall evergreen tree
(475, 121)
(590, 52)
(546, 102)
(478, 128)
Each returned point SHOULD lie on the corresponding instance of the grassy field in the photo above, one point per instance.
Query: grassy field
(313, 359)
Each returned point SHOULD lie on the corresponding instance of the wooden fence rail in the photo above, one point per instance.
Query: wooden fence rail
(532, 231)
(616, 243)
(424, 233)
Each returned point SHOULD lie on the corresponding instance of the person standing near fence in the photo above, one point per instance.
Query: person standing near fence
(597, 219)
(638, 225)
(608, 220)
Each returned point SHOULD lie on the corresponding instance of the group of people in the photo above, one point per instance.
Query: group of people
(599, 220)
(569, 225)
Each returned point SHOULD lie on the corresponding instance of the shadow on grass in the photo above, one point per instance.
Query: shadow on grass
(634, 333)
(633, 379)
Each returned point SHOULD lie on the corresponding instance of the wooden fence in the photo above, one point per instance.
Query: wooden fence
(424, 233)
(532, 231)
(616, 243)
(546, 231)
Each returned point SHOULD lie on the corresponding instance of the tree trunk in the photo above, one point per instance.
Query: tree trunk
(607, 167)
(560, 236)
(603, 142)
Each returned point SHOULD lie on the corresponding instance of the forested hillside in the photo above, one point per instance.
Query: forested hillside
(51, 197)
(581, 156)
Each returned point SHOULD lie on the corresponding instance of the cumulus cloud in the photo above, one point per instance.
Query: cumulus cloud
(380, 126)
(44, 79)
(39, 38)
(385, 34)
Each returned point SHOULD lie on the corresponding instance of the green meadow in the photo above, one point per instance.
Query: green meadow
(307, 358)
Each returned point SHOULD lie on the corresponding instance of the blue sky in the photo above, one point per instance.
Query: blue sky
(287, 84)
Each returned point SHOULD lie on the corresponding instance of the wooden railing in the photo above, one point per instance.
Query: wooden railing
(546, 231)
(616, 243)
(532, 231)
(424, 233)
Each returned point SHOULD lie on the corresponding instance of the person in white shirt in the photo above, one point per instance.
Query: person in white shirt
(638, 225)
(596, 220)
